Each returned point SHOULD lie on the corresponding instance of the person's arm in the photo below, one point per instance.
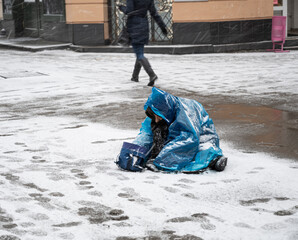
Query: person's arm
(157, 18)
(145, 136)
(128, 8)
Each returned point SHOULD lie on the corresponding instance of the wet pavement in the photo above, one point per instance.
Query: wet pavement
(259, 128)
(250, 127)
(266, 122)
(64, 117)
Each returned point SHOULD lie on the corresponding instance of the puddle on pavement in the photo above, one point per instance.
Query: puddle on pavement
(257, 128)
(250, 128)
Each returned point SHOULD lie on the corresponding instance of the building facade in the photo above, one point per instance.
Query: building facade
(99, 22)
(89, 21)
(221, 22)
(1, 10)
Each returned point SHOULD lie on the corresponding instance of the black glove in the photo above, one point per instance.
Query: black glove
(122, 8)
(164, 31)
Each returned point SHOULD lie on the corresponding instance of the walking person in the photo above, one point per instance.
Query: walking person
(138, 29)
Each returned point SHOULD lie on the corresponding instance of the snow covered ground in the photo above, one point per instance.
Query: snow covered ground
(58, 179)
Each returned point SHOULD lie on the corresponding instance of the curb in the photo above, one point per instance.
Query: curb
(33, 49)
(291, 44)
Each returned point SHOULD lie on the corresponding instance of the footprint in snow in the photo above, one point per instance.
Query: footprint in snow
(10, 177)
(208, 183)
(189, 195)
(37, 159)
(158, 210)
(76, 171)
(39, 233)
(56, 194)
(153, 177)
(9, 226)
(39, 216)
(202, 218)
(259, 168)
(9, 237)
(183, 186)
(85, 185)
(67, 236)
(242, 225)
(39, 197)
(119, 176)
(273, 226)
(66, 225)
(253, 201)
(185, 180)
(230, 180)
(27, 224)
(132, 196)
(95, 193)
(288, 212)
(171, 189)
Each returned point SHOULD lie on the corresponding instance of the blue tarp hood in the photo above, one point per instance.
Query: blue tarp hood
(192, 141)
(162, 104)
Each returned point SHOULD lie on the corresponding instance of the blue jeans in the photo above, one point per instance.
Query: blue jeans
(138, 50)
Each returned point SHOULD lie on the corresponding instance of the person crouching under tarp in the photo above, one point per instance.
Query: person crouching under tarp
(176, 136)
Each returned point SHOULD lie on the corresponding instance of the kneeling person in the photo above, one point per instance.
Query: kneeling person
(178, 136)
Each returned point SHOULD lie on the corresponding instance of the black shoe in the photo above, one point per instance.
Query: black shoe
(220, 164)
(134, 79)
(152, 76)
(152, 81)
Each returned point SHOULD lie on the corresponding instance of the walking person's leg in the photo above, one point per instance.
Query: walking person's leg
(152, 76)
(136, 71)
(137, 68)
(139, 51)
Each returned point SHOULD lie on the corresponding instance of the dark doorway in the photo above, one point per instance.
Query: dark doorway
(33, 18)
(18, 16)
(293, 18)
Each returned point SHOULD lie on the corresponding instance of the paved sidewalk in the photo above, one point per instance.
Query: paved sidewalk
(65, 115)
(38, 44)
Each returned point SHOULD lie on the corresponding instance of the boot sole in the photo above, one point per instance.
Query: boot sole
(151, 83)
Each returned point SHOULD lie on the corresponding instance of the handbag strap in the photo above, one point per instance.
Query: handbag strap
(125, 17)
(135, 11)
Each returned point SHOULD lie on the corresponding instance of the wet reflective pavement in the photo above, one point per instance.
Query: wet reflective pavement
(247, 126)
(258, 128)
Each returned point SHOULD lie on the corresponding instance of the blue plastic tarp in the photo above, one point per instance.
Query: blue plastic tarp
(192, 140)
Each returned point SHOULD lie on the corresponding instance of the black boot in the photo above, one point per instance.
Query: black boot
(145, 63)
(219, 163)
(136, 71)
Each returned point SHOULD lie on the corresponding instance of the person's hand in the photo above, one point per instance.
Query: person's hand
(164, 31)
(122, 8)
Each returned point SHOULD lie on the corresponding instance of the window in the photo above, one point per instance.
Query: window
(53, 7)
(7, 6)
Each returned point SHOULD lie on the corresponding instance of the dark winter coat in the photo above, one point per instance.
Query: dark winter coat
(137, 21)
